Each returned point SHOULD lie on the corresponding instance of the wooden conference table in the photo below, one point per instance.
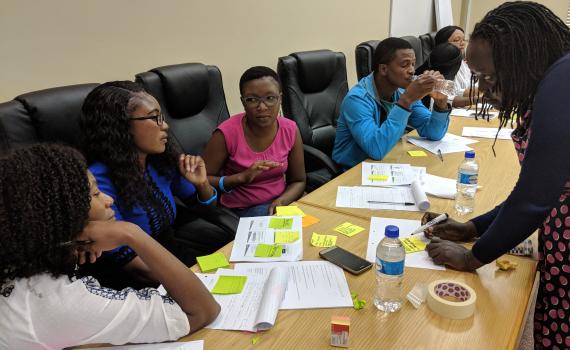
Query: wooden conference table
(502, 297)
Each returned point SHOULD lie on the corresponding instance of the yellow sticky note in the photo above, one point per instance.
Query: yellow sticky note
(378, 177)
(229, 285)
(268, 250)
(323, 241)
(212, 262)
(413, 244)
(417, 153)
(286, 236)
(281, 223)
(348, 229)
(289, 210)
(309, 220)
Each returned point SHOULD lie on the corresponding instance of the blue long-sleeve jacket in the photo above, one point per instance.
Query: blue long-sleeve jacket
(369, 128)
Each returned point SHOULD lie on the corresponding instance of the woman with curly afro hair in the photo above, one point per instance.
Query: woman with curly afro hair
(126, 141)
(53, 216)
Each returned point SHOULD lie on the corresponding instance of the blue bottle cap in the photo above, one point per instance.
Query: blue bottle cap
(470, 154)
(392, 231)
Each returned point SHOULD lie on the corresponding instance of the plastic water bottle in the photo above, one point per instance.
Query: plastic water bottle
(390, 256)
(467, 184)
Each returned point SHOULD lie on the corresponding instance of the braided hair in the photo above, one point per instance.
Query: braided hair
(526, 39)
(44, 202)
(105, 126)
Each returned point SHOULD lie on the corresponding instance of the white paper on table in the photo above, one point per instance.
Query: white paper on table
(191, 345)
(255, 230)
(448, 144)
(256, 307)
(470, 113)
(397, 174)
(488, 133)
(439, 186)
(389, 198)
(311, 284)
(378, 226)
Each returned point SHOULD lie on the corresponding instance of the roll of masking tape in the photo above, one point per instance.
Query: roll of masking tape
(451, 299)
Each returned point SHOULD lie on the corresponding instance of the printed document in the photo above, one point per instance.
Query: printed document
(311, 284)
(408, 198)
(378, 226)
(261, 231)
(448, 144)
(191, 345)
(487, 133)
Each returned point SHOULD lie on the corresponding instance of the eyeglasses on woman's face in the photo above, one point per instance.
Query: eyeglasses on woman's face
(158, 118)
(254, 101)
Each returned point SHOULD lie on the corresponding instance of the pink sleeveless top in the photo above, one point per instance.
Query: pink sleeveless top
(269, 184)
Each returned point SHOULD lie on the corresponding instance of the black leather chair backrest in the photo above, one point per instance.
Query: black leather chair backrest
(364, 52)
(50, 115)
(192, 99)
(428, 43)
(314, 85)
(417, 46)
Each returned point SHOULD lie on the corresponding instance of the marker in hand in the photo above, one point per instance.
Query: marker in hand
(429, 224)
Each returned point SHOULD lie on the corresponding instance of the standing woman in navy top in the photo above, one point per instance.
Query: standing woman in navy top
(125, 139)
(520, 55)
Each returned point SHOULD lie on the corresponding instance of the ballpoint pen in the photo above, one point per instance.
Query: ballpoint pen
(439, 154)
(395, 203)
(429, 224)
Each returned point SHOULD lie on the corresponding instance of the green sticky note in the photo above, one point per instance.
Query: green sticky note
(281, 223)
(212, 262)
(348, 229)
(417, 153)
(286, 236)
(268, 250)
(229, 285)
(289, 210)
(378, 177)
(323, 241)
(413, 244)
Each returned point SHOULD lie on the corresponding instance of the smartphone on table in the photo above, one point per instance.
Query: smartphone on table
(345, 259)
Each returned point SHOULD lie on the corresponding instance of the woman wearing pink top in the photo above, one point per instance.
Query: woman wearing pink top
(256, 158)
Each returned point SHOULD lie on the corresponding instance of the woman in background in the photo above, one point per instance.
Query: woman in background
(52, 216)
(256, 158)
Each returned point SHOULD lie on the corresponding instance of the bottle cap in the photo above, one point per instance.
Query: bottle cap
(392, 231)
(470, 154)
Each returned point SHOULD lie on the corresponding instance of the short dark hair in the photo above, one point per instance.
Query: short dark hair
(386, 50)
(442, 35)
(44, 202)
(445, 58)
(257, 72)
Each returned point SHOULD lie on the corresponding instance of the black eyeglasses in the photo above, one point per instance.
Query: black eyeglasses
(159, 118)
(254, 101)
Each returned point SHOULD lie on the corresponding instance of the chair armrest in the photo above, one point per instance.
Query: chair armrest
(318, 159)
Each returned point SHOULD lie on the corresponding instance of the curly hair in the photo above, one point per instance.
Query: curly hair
(107, 139)
(45, 201)
(526, 39)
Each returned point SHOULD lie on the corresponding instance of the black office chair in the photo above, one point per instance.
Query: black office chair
(50, 115)
(428, 43)
(363, 54)
(314, 85)
(418, 50)
(192, 99)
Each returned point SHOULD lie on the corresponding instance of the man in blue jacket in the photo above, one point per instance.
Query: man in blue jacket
(375, 112)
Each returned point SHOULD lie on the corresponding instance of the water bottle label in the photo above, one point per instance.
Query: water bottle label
(390, 267)
(467, 179)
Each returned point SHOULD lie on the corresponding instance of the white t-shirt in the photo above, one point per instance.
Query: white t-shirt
(43, 312)
(462, 79)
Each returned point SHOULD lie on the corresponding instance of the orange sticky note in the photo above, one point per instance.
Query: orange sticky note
(309, 220)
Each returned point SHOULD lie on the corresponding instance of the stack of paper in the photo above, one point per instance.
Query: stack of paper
(378, 226)
(409, 198)
(488, 133)
(256, 307)
(448, 144)
(311, 284)
(268, 238)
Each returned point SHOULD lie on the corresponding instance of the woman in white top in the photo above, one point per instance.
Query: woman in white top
(456, 36)
(53, 216)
